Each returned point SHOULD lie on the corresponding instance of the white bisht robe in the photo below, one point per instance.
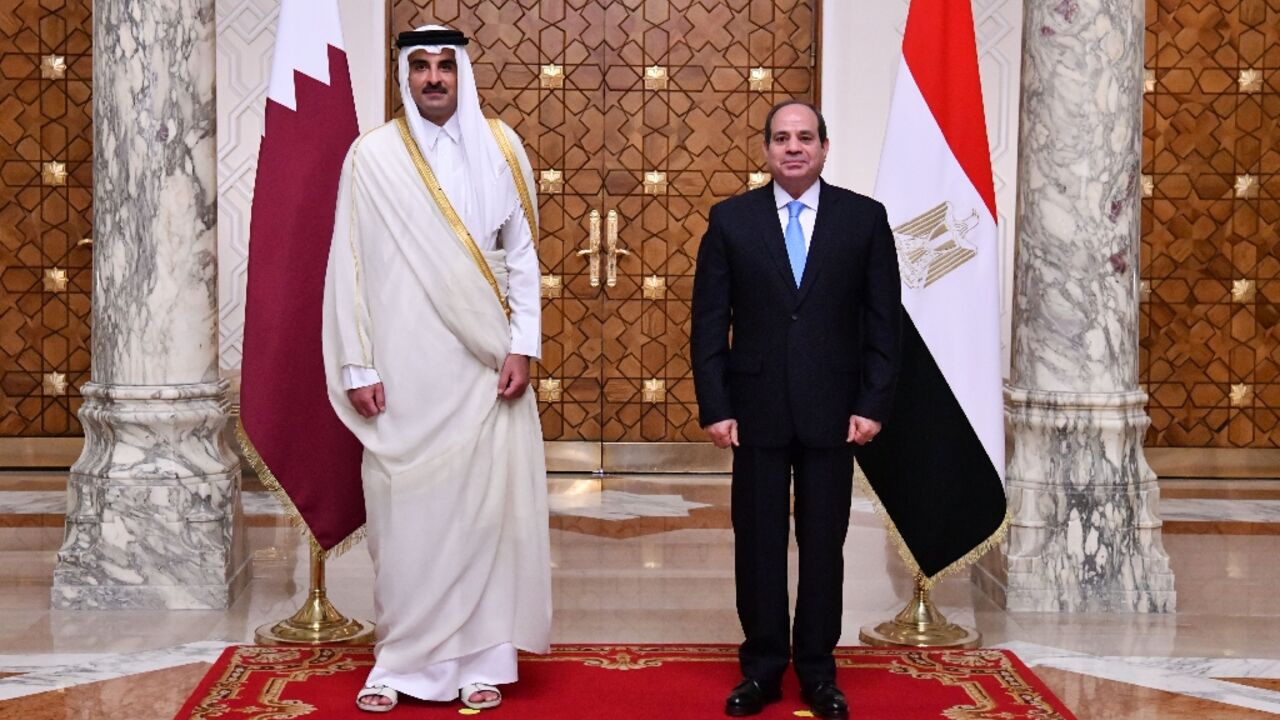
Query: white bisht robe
(454, 476)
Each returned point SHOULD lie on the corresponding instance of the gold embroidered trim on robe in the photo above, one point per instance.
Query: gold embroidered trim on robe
(450, 215)
(526, 201)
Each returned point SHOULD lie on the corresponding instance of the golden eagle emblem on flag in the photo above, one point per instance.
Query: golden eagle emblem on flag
(934, 244)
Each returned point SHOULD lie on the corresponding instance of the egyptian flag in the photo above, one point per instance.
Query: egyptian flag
(937, 468)
(287, 426)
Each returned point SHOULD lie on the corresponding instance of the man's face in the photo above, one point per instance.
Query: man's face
(433, 82)
(794, 153)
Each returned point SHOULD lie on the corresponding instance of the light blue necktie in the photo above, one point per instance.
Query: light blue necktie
(795, 240)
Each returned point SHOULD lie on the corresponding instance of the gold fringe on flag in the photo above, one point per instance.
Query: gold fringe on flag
(290, 510)
(904, 552)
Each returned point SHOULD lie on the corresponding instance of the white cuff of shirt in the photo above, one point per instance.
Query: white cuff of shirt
(358, 376)
(529, 346)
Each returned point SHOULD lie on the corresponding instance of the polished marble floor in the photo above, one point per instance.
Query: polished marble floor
(649, 559)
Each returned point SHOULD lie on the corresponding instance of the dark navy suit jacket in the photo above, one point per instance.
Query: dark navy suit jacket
(801, 360)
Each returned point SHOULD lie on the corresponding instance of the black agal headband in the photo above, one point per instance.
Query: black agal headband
(414, 38)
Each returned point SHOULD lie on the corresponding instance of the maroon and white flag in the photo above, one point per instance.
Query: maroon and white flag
(938, 467)
(288, 428)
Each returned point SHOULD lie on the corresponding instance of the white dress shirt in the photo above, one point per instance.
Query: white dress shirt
(808, 214)
(524, 293)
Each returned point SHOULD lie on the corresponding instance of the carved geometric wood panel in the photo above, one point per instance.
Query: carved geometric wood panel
(657, 89)
(46, 164)
(1210, 350)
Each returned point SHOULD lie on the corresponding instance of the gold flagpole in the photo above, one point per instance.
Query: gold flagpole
(317, 622)
(922, 625)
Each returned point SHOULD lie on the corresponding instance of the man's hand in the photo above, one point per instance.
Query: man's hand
(513, 380)
(862, 430)
(724, 433)
(368, 400)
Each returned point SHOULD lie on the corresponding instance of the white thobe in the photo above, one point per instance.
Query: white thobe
(450, 470)
(448, 160)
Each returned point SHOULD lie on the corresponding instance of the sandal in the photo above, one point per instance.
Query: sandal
(466, 691)
(379, 691)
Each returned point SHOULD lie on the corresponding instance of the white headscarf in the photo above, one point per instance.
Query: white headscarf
(486, 166)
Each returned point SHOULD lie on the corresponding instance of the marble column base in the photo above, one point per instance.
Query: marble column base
(1085, 535)
(154, 518)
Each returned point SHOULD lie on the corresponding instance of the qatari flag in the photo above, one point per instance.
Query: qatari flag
(937, 469)
(288, 428)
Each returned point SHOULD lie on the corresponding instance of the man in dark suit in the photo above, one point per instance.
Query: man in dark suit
(804, 276)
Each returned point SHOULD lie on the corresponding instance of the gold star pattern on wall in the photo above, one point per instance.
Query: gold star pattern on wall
(655, 78)
(54, 173)
(550, 390)
(55, 280)
(1250, 80)
(53, 67)
(655, 288)
(760, 79)
(1243, 291)
(54, 384)
(552, 76)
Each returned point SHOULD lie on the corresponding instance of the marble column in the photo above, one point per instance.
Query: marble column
(1085, 534)
(154, 517)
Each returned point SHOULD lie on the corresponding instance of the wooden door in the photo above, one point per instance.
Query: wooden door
(652, 111)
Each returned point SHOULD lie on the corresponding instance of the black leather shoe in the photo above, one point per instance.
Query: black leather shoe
(749, 698)
(826, 701)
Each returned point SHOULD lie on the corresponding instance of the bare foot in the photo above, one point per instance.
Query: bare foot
(381, 701)
(483, 696)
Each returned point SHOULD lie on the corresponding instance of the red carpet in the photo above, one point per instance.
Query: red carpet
(632, 682)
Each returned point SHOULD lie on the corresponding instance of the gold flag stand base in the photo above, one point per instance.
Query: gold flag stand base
(921, 625)
(317, 622)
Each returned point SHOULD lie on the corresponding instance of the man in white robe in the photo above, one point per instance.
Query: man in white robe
(431, 317)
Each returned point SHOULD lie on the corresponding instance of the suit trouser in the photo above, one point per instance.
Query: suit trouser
(760, 508)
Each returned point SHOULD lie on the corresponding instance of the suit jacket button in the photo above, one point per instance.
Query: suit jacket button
(795, 316)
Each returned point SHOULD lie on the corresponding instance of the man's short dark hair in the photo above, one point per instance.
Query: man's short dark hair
(768, 121)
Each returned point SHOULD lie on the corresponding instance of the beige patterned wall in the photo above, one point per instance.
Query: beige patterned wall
(246, 37)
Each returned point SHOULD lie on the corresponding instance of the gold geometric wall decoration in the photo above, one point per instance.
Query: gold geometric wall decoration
(54, 383)
(1246, 186)
(550, 390)
(551, 181)
(1250, 80)
(552, 286)
(1241, 395)
(760, 79)
(55, 280)
(757, 179)
(53, 67)
(1148, 80)
(655, 390)
(1148, 186)
(46, 115)
(1210, 330)
(54, 173)
(655, 182)
(655, 78)
(655, 288)
(552, 76)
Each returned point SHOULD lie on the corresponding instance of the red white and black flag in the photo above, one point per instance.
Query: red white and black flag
(937, 469)
(288, 428)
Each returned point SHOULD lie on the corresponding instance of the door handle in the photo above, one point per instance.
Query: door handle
(592, 252)
(612, 251)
